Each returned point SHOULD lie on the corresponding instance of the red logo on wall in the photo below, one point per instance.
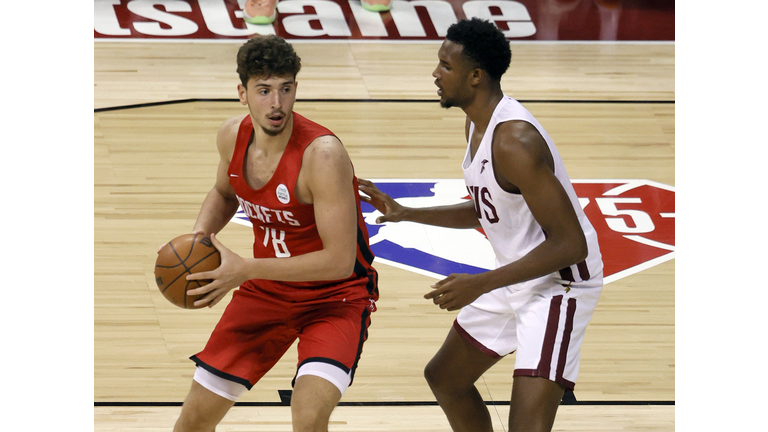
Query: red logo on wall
(408, 20)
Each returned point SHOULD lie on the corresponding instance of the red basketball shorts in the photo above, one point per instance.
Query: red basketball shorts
(258, 326)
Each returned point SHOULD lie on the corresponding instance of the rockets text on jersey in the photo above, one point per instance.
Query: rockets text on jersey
(267, 215)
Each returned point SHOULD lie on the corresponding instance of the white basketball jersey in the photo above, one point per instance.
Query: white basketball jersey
(505, 217)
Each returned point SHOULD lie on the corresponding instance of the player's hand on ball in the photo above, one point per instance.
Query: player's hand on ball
(391, 211)
(455, 291)
(229, 275)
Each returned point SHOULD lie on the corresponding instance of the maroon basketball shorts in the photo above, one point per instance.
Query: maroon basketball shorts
(259, 325)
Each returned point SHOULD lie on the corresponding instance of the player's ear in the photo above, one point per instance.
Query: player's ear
(476, 76)
(241, 93)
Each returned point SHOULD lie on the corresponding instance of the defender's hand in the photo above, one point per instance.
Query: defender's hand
(455, 292)
(391, 211)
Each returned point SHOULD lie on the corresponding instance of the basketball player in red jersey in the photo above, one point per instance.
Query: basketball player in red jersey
(310, 276)
(540, 297)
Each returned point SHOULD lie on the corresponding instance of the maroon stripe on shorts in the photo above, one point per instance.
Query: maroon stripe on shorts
(565, 383)
(548, 346)
(583, 270)
(561, 360)
(472, 341)
(526, 372)
(535, 373)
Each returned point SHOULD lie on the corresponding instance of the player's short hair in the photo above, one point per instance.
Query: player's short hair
(484, 44)
(267, 56)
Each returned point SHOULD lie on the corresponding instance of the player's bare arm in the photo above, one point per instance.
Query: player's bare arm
(220, 205)
(523, 163)
(460, 215)
(325, 180)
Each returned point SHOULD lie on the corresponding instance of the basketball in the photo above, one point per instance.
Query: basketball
(186, 254)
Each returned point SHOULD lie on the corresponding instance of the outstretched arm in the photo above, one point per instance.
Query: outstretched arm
(460, 215)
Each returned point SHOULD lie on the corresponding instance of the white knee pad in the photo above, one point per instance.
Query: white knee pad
(334, 374)
(222, 387)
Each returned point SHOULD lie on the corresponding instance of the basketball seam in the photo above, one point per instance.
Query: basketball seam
(183, 262)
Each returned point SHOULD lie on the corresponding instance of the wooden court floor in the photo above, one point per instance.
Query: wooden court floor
(609, 108)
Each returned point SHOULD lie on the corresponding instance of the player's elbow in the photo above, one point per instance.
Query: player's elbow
(341, 272)
(341, 266)
(569, 246)
(579, 249)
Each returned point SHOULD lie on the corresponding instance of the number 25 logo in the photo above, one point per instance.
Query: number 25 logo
(641, 220)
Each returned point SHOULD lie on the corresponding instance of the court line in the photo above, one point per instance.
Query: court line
(381, 404)
(523, 101)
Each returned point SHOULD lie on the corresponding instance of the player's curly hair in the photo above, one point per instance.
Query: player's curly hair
(267, 56)
(484, 44)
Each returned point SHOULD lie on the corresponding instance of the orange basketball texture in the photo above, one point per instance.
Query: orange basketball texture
(186, 254)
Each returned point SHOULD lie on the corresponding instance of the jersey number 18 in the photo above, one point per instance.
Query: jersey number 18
(278, 241)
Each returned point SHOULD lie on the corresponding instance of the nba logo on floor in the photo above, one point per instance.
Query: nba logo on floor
(634, 220)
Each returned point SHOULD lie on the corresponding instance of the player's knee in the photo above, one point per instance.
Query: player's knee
(430, 374)
(436, 377)
(202, 410)
(311, 409)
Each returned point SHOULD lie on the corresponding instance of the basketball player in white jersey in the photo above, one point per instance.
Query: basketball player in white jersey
(539, 299)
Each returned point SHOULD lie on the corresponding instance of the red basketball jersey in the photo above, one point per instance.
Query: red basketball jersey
(283, 226)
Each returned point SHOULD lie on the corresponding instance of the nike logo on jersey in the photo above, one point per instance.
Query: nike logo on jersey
(234, 175)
